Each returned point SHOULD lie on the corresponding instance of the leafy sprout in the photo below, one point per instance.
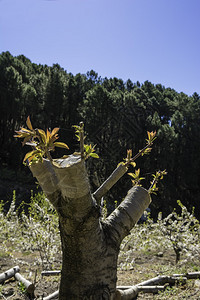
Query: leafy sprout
(129, 160)
(86, 150)
(41, 142)
(151, 137)
(79, 131)
(156, 177)
(89, 151)
(136, 177)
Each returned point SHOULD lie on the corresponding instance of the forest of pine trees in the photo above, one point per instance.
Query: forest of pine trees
(116, 115)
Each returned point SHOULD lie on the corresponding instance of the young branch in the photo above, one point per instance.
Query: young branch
(82, 140)
(138, 154)
(117, 174)
(110, 181)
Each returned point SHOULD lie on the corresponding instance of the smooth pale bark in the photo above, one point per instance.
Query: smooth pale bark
(145, 288)
(50, 273)
(29, 285)
(126, 215)
(132, 292)
(8, 274)
(127, 294)
(108, 184)
(152, 289)
(189, 275)
(162, 280)
(90, 246)
(52, 296)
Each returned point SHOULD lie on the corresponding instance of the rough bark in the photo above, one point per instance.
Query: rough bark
(90, 246)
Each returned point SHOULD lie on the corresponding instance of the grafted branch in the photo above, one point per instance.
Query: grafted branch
(109, 182)
(122, 169)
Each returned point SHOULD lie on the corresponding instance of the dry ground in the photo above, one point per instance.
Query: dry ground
(145, 266)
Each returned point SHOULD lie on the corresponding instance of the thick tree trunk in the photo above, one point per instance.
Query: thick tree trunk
(90, 246)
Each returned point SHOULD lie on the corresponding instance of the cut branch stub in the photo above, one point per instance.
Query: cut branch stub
(126, 215)
(72, 176)
(45, 174)
(66, 185)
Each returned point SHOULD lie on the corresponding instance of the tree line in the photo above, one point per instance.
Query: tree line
(117, 116)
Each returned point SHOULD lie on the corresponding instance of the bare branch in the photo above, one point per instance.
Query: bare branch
(8, 274)
(127, 294)
(50, 273)
(52, 296)
(29, 285)
(109, 182)
(162, 280)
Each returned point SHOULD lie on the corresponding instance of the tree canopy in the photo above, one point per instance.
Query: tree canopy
(116, 114)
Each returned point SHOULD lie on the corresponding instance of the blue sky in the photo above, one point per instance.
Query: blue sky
(155, 40)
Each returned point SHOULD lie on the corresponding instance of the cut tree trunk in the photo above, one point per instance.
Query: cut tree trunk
(90, 246)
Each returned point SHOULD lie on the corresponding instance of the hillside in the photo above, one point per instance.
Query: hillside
(116, 114)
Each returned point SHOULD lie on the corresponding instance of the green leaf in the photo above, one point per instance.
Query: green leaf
(133, 164)
(132, 175)
(25, 130)
(26, 140)
(42, 135)
(61, 145)
(54, 131)
(78, 137)
(94, 155)
(22, 134)
(28, 123)
(31, 153)
(121, 163)
(48, 135)
(87, 148)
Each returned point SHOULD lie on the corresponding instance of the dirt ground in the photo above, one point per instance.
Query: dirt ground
(144, 267)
